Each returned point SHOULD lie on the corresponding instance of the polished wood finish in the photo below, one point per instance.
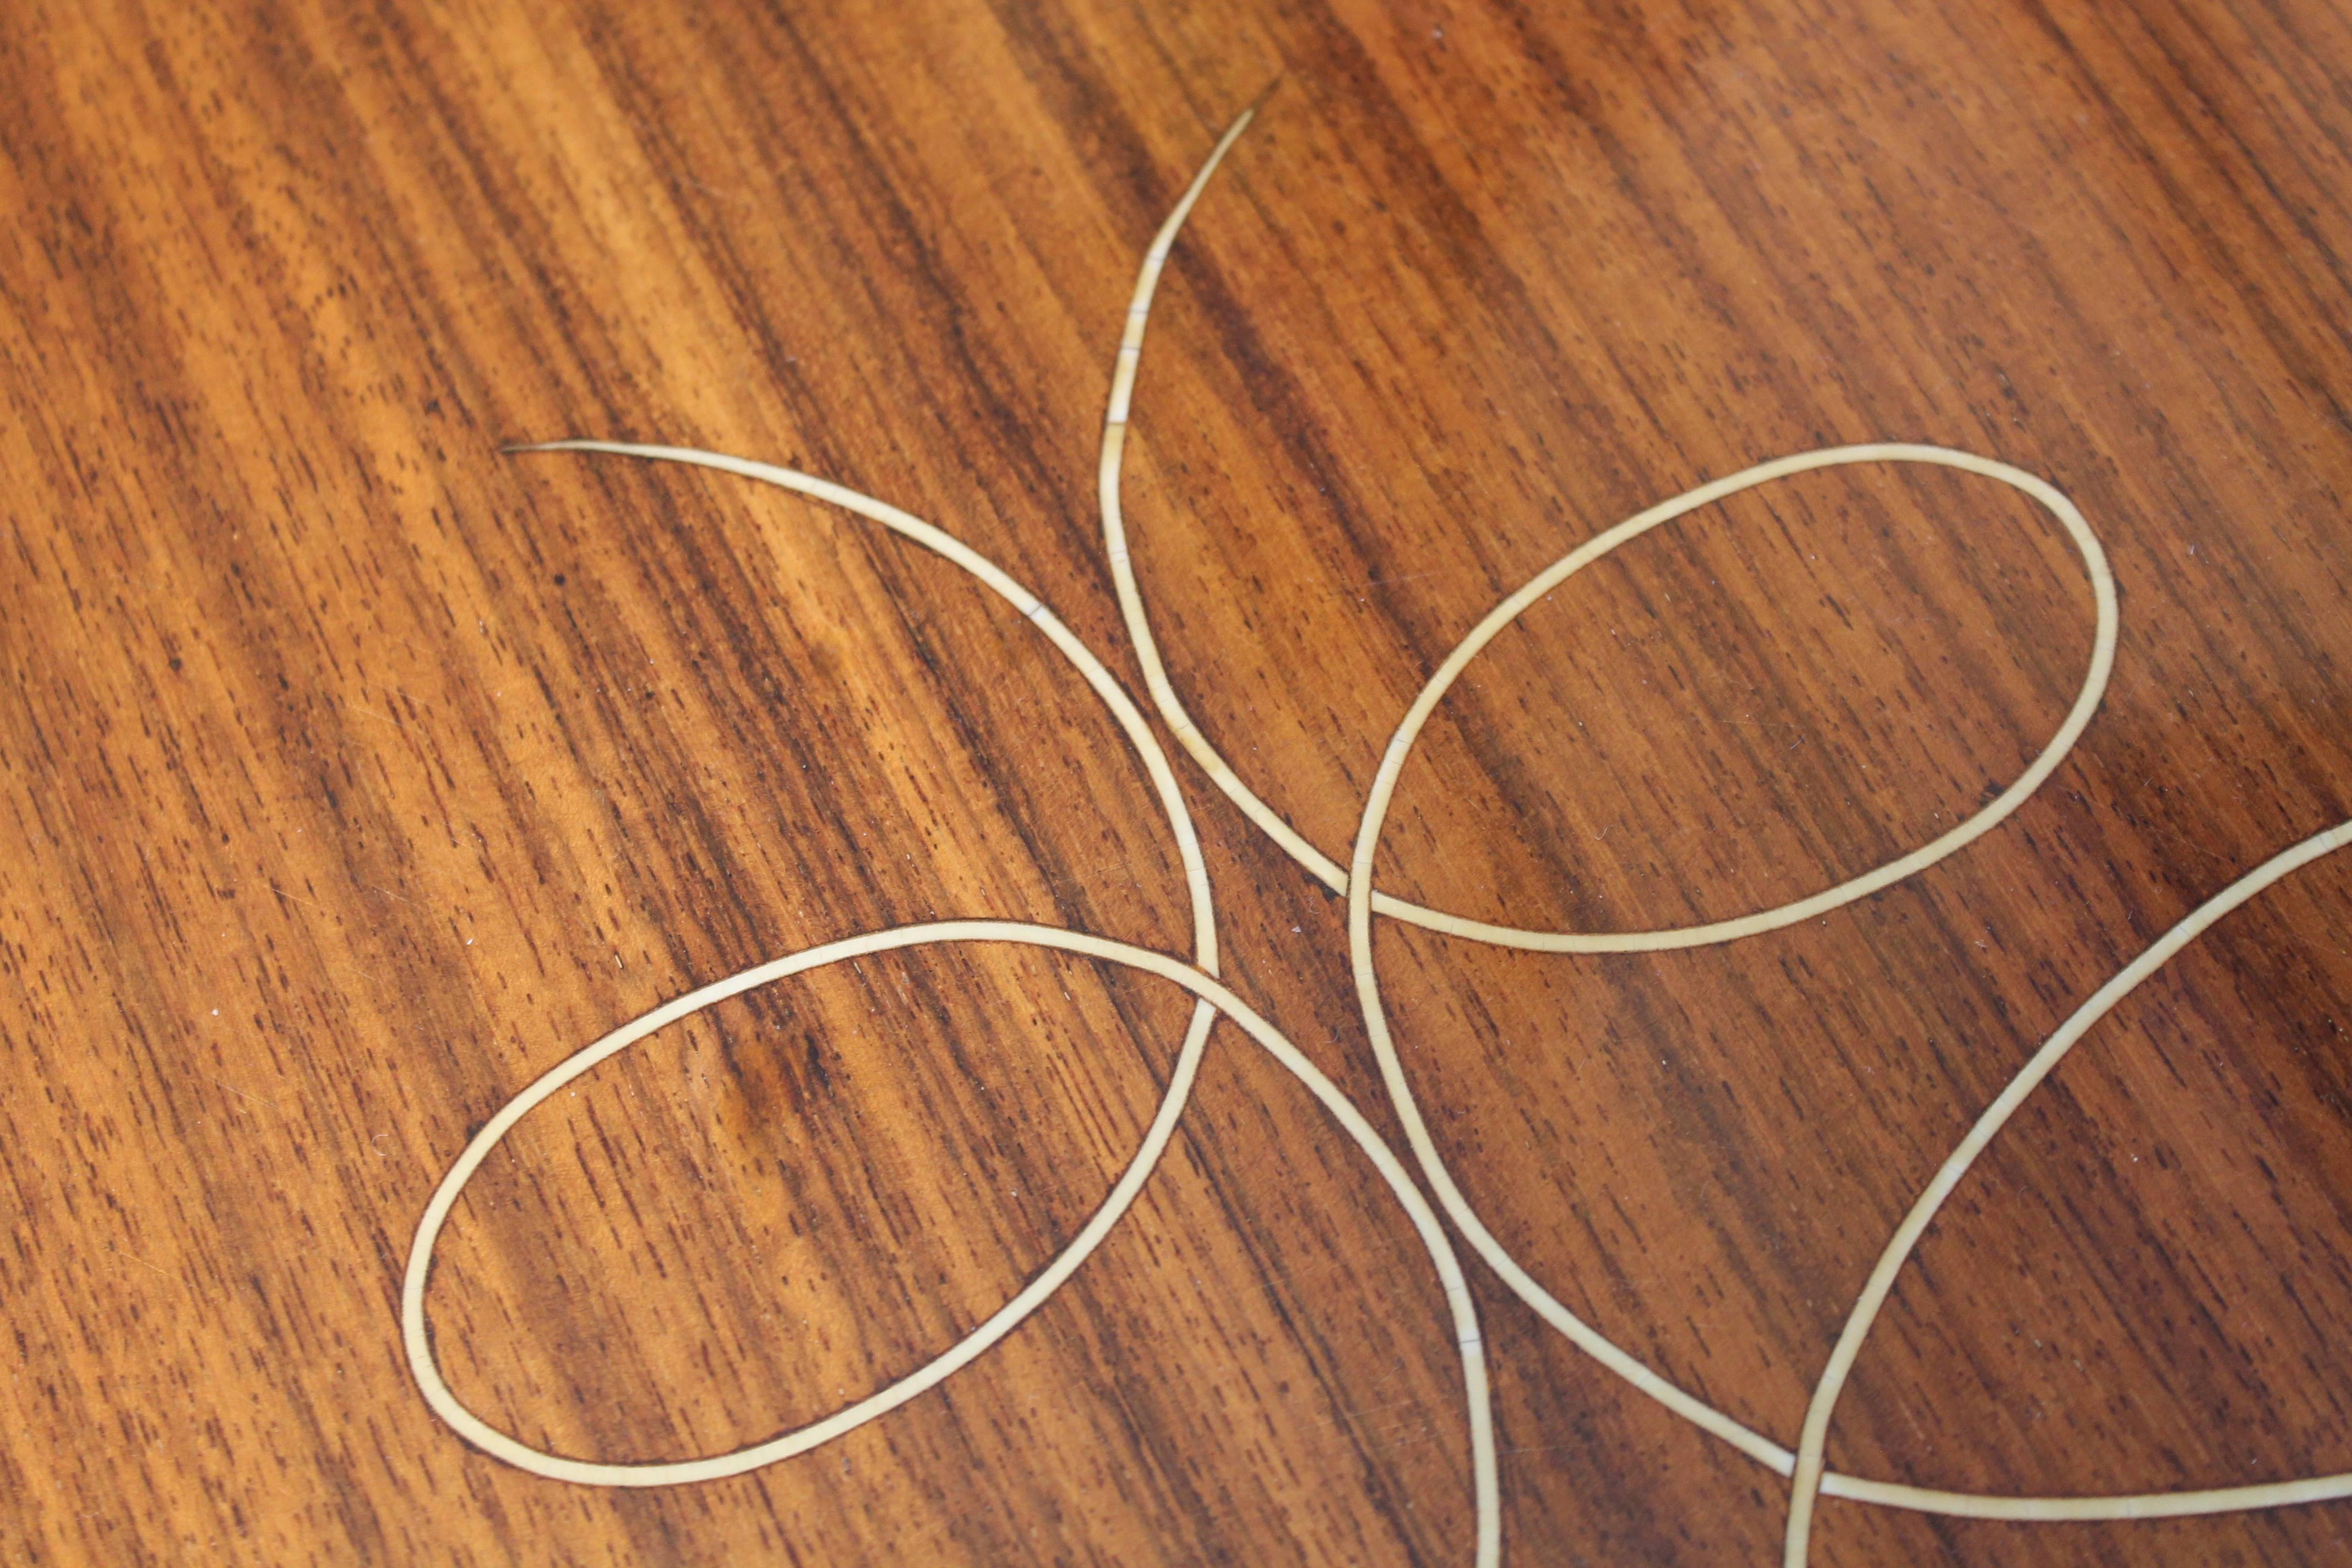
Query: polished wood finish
(352, 773)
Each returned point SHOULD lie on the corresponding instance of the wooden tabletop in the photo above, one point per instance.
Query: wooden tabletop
(353, 773)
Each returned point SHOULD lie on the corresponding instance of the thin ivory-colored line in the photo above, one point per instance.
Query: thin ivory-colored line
(1485, 1465)
(1270, 822)
(940, 542)
(1810, 1445)
(1122, 569)
(2086, 702)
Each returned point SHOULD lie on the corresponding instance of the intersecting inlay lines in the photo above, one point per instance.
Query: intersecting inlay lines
(1804, 1464)
(859, 1172)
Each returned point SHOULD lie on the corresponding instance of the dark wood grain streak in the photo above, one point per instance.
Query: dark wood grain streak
(352, 773)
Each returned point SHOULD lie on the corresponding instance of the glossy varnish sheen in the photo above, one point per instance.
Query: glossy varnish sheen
(352, 773)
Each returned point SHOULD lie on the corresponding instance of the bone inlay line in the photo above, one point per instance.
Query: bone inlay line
(1802, 1465)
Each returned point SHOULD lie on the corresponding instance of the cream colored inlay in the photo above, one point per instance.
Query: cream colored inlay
(1804, 1466)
